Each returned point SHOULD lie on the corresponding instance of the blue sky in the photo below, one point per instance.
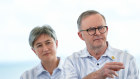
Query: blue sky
(18, 17)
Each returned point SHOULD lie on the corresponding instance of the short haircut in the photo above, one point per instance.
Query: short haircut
(37, 31)
(86, 14)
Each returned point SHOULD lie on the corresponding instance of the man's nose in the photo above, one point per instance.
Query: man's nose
(97, 32)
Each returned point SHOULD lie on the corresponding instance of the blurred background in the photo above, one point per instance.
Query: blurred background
(19, 17)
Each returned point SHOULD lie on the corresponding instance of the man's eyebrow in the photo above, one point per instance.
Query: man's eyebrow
(47, 40)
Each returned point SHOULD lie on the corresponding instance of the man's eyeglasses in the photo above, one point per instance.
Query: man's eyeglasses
(91, 31)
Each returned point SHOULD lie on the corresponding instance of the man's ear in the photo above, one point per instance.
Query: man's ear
(80, 35)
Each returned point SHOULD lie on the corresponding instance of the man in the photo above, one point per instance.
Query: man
(44, 43)
(98, 60)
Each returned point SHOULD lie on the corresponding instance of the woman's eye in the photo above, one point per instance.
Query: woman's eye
(38, 46)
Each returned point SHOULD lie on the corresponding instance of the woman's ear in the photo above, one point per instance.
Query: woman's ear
(56, 43)
(34, 51)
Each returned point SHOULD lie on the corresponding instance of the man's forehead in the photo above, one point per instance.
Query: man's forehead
(93, 21)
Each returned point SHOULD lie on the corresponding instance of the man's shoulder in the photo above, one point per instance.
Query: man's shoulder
(123, 53)
(76, 54)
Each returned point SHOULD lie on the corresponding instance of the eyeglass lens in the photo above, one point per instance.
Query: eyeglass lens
(101, 29)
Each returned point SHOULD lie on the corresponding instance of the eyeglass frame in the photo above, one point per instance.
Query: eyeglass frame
(95, 30)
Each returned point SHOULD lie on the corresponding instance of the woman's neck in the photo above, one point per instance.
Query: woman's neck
(51, 65)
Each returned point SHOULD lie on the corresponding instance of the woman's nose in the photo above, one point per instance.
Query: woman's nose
(45, 48)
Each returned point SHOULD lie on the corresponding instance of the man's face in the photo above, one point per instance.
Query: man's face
(97, 40)
(45, 47)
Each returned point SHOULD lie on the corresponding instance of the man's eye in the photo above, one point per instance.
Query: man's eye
(48, 43)
(101, 27)
(91, 29)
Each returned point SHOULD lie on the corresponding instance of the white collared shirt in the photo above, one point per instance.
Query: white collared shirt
(82, 63)
(39, 72)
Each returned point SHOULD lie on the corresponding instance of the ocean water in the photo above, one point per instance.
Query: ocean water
(13, 70)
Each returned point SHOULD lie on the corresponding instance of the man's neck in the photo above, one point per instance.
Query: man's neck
(97, 53)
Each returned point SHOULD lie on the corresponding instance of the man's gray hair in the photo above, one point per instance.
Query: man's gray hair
(86, 14)
(37, 31)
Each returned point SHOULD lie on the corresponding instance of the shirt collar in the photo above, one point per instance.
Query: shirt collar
(40, 68)
(108, 53)
(60, 64)
(85, 53)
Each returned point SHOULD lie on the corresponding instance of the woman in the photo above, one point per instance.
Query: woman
(44, 43)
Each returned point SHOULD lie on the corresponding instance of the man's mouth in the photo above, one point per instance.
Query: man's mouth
(98, 38)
